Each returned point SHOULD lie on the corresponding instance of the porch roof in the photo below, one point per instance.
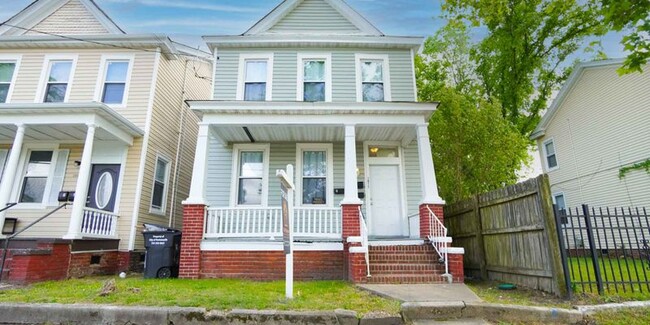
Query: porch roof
(65, 121)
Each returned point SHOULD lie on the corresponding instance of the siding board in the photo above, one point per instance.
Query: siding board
(314, 16)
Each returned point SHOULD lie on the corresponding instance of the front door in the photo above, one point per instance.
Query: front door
(385, 201)
(103, 187)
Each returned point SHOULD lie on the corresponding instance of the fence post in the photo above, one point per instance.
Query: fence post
(565, 261)
(592, 249)
(479, 238)
(551, 228)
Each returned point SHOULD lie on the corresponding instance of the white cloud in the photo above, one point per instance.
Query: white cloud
(182, 4)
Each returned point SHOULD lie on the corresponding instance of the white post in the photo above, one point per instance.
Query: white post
(289, 260)
(427, 171)
(9, 174)
(81, 190)
(351, 194)
(197, 188)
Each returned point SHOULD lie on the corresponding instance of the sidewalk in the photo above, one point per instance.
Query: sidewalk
(423, 292)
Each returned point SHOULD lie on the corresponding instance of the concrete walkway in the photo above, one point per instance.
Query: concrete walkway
(424, 292)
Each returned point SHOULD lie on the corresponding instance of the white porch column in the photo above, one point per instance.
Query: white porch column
(351, 195)
(81, 190)
(427, 171)
(197, 188)
(9, 174)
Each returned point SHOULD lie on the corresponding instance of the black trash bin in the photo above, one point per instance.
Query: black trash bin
(163, 251)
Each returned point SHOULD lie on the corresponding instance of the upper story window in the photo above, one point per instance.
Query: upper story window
(255, 77)
(161, 178)
(314, 78)
(549, 153)
(115, 80)
(373, 78)
(7, 71)
(251, 163)
(58, 77)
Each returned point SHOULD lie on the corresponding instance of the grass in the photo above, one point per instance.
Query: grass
(220, 294)
(626, 270)
(637, 316)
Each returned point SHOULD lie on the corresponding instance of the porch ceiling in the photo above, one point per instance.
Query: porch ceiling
(311, 133)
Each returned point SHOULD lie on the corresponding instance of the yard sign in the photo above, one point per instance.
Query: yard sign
(286, 187)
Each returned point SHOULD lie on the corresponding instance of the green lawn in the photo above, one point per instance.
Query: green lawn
(626, 270)
(211, 294)
(636, 316)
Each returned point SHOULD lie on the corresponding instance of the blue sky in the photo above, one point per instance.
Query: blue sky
(185, 20)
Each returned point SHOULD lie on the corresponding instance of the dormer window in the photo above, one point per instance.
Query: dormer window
(373, 80)
(255, 76)
(314, 78)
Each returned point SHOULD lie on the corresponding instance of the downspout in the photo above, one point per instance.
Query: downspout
(179, 145)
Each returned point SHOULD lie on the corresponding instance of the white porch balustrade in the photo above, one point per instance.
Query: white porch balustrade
(98, 223)
(246, 222)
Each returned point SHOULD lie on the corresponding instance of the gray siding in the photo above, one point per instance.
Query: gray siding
(314, 15)
(411, 166)
(343, 73)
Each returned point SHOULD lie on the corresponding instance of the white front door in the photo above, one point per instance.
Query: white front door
(385, 201)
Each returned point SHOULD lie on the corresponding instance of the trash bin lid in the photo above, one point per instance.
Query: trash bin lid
(154, 227)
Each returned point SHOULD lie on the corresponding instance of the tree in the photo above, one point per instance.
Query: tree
(635, 16)
(474, 148)
(519, 62)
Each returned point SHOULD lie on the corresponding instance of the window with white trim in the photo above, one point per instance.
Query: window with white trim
(4, 154)
(315, 174)
(254, 82)
(373, 78)
(549, 153)
(160, 181)
(42, 176)
(560, 204)
(251, 163)
(115, 79)
(58, 77)
(314, 78)
(7, 70)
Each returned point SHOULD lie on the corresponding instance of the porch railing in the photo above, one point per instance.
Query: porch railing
(438, 237)
(245, 222)
(99, 223)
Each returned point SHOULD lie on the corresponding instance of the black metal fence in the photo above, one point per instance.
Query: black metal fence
(605, 250)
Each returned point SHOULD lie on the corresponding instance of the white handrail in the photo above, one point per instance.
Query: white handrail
(437, 236)
(364, 240)
(99, 223)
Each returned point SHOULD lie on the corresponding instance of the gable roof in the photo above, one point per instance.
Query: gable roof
(575, 76)
(287, 7)
(40, 10)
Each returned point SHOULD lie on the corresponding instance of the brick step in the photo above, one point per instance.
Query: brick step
(402, 248)
(404, 259)
(406, 279)
(406, 268)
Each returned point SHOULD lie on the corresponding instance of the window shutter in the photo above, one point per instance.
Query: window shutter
(59, 175)
(3, 161)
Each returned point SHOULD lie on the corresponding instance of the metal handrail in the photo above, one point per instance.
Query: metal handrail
(438, 231)
(364, 240)
(10, 237)
(9, 206)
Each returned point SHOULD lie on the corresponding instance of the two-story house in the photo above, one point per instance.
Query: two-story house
(96, 117)
(316, 86)
(596, 127)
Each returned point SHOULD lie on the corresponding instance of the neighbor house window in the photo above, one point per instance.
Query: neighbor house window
(314, 78)
(161, 178)
(315, 168)
(115, 79)
(373, 78)
(252, 164)
(58, 77)
(549, 152)
(7, 70)
(255, 77)
(35, 178)
(560, 204)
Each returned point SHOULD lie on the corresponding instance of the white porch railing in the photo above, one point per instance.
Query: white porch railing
(438, 237)
(99, 223)
(246, 222)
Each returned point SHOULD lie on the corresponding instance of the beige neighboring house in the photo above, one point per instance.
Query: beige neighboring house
(86, 108)
(598, 124)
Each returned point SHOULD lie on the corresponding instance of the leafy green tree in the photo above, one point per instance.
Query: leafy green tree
(633, 15)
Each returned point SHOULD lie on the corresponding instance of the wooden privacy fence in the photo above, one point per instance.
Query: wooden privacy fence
(510, 235)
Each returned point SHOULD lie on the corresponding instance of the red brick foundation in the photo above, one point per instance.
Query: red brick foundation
(81, 264)
(193, 219)
(456, 267)
(48, 261)
(270, 265)
(355, 263)
(425, 226)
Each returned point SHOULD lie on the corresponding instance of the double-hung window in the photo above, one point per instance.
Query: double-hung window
(373, 80)
(35, 178)
(115, 78)
(251, 173)
(255, 76)
(315, 168)
(560, 204)
(58, 77)
(549, 153)
(7, 70)
(314, 78)
(161, 178)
